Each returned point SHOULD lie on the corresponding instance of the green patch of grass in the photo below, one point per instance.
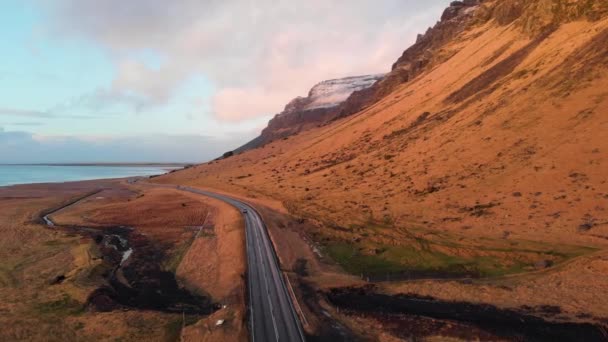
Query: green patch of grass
(418, 252)
(488, 266)
(356, 263)
(439, 255)
(410, 259)
(65, 306)
(176, 255)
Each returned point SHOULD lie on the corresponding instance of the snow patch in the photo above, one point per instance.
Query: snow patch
(333, 92)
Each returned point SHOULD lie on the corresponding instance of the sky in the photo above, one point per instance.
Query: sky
(180, 80)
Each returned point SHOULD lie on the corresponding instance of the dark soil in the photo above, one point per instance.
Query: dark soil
(398, 311)
(330, 329)
(140, 282)
(136, 280)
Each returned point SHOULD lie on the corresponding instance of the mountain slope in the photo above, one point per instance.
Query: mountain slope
(483, 152)
(501, 110)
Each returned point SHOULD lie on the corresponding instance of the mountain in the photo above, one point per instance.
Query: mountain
(498, 98)
(483, 152)
(320, 106)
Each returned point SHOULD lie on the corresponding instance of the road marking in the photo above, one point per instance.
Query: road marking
(274, 323)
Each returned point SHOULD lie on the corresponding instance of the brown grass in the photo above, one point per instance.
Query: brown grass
(539, 159)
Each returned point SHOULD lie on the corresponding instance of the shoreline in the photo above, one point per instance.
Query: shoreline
(176, 165)
(71, 181)
(160, 169)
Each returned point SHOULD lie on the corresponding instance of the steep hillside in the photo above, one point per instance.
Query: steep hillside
(484, 152)
(320, 106)
(510, 106)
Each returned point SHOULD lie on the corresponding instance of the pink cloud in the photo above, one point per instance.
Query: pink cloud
(258, 55)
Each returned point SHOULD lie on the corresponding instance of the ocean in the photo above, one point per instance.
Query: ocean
(28, 174)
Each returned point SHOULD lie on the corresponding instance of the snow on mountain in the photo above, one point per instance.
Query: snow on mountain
(333, 92)
(321, 105)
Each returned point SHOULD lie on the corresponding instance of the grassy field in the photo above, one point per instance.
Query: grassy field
(444, 256)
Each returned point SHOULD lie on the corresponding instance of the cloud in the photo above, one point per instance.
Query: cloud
(258, 54)
(53, 113)
(23, 147)
(102, 101)
(24, 113)
(233, 104)
(8, 141)
(23, 124)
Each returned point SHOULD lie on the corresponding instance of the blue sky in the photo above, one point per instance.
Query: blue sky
(87, 80)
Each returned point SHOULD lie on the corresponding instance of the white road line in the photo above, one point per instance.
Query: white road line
(274, 323)
(252, 327)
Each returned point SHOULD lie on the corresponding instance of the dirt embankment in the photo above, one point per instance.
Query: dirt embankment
(216, 264)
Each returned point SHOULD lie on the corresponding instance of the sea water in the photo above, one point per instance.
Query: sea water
(27, 174)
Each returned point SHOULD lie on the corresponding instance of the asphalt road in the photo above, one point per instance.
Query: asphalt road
(272, 313)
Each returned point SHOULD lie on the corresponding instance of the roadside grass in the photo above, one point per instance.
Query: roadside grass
(439, 255)
(176, 255)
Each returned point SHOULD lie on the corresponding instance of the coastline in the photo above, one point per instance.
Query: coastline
(177, 165)
(27, 174)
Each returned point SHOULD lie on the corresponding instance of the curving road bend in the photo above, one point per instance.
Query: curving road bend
(272, 313)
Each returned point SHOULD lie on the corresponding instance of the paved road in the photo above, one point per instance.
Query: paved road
(272, 313)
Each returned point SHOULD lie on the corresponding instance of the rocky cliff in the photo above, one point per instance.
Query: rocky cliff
(531, 17)
(320, 106)
(423, 55)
